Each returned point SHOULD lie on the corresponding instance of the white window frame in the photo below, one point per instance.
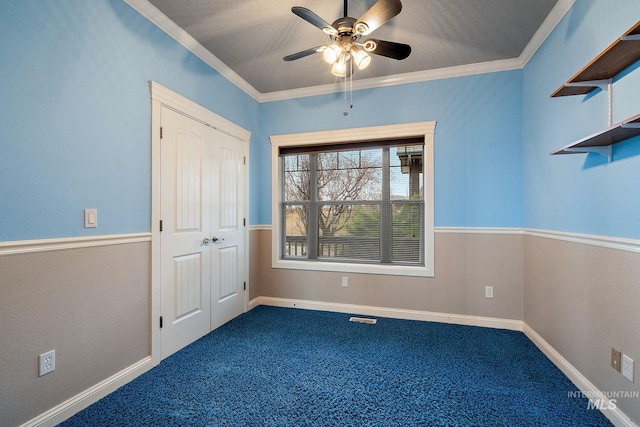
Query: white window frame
(346, 136)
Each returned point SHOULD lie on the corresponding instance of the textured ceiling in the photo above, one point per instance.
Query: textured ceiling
(252, 36)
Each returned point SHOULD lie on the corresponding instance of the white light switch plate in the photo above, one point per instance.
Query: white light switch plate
(90, 218)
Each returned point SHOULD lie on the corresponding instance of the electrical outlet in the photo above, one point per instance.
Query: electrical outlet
(345, 281)
(627, 367)
(488, 291)
(615, 359)
(47, 362)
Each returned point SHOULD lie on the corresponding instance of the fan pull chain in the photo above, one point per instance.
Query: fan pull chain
(345, 113)
(351, 85)
(350, 89)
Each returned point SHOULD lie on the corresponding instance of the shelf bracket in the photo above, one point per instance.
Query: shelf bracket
(630, 125)
(602, 84)
(602, 150)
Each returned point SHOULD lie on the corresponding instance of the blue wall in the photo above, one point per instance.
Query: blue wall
(478, 180)
(75, 114)
(579, 192)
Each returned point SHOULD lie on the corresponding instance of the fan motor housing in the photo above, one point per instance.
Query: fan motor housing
(345, 26)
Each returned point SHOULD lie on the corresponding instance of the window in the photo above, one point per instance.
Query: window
(353, 204)
(355, 201)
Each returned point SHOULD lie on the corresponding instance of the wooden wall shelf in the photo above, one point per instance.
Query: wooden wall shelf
(601, 142)
(612, 61)
(600, 72)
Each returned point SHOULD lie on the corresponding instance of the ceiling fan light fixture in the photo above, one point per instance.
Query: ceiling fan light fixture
(346, 53)
(330, 30)
(369, 45)
(331, 54)
(339, 69)
(361, 58)
(361, 28)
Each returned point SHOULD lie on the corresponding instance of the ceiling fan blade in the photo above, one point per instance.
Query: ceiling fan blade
(313, 19)
(389, 49)
(303, 53)
(379, 13)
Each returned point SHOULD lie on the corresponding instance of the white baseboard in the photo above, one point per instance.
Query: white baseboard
(394, 313)
(71, 406)
(77, 403)
(254, 303)
(616, 416)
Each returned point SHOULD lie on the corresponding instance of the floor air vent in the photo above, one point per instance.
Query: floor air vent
(363, 320)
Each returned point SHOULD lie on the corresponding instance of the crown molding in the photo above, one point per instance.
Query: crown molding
(399, 79)
(159, 19)
(550, 23)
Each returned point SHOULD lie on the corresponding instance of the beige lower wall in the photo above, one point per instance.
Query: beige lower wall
(92, 305)
(464, 264)
(583, 300)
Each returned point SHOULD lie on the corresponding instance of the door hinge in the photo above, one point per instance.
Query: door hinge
(245, 286)
(160, 132)
(160, 225)
(160, 322)
(244, 222)
(244, 160)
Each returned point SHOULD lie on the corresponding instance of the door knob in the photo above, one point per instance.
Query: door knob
(214, 239)
(206, 241)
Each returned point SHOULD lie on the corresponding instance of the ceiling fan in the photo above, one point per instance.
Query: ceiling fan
(346, 48)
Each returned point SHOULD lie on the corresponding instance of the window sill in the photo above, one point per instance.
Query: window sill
(389, 270)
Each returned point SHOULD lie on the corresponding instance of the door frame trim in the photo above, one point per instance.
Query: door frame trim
(164, 97)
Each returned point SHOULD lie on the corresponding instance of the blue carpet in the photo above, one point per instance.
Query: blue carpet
(289, 367)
